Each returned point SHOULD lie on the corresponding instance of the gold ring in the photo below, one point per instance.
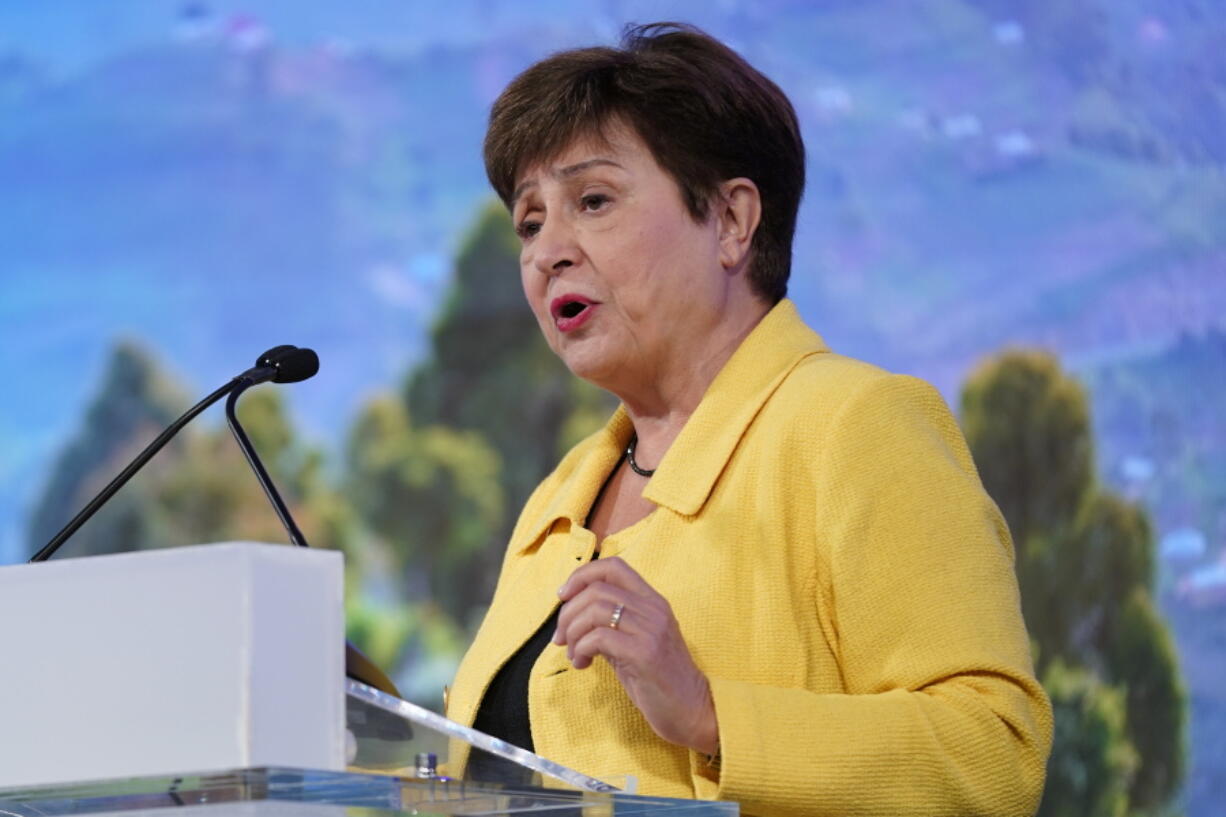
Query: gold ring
(616, 618)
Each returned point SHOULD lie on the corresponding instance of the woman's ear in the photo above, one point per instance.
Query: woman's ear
(739, 211)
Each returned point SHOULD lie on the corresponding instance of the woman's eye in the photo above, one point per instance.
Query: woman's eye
(594, 201)
(527, 229)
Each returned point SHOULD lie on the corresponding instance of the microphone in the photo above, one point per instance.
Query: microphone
(280, 364)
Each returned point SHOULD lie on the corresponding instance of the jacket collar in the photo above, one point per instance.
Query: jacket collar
(686, 476)
(593, 461)
(695, 460)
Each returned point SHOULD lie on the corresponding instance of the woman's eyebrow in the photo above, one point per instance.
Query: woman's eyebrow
(574, 170)
(570, 171)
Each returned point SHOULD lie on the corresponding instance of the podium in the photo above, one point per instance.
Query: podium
(211, 678)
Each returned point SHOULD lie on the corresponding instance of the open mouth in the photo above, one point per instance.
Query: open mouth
(570, 310)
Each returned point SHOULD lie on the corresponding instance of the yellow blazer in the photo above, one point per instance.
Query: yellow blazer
(839, 574)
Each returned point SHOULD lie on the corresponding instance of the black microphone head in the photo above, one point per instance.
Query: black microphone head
(295, 365)
(274, 354)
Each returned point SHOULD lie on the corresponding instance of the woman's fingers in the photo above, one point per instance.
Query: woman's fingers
(616, 646)
(645, 649)
(593, 598)
(594, 590)
(635, 644)
(610, 571)
(593, 607)
(582, 615)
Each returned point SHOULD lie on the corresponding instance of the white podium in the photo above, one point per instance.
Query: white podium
(209, 657)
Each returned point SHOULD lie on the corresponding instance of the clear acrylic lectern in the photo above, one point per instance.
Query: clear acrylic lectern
(398, 756)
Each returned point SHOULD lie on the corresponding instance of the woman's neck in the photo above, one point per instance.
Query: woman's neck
(660, 407)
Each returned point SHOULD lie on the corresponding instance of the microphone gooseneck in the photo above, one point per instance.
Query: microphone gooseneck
(268, 366)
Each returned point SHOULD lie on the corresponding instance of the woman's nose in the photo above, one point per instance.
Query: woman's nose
(556, 247)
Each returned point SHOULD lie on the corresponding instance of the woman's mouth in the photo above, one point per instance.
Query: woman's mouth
(571, 311)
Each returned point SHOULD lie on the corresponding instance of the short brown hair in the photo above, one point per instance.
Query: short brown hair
(706, 115)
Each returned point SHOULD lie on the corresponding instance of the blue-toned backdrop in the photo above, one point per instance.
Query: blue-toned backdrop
(207, 179)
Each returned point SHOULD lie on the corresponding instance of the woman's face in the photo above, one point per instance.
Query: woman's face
(625, 285)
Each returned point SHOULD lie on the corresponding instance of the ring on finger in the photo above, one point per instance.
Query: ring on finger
(616, 618)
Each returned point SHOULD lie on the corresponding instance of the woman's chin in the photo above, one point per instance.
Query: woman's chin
(598, 369)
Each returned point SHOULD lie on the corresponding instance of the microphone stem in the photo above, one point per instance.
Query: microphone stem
(127, 473)
(295, 535)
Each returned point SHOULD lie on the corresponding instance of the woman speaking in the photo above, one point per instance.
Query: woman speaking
(773, 576)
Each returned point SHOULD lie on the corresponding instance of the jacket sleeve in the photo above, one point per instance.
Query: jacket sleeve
(940, 712)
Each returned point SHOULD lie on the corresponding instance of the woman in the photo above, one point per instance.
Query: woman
(773, 576)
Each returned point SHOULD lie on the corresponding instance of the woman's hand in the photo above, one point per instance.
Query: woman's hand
(645, 649)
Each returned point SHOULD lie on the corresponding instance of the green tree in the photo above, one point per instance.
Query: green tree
(1092, 762)
(1085, 562)
(1030, 427)
(1111, 550)
(1143, 662)
(1079, 580)
(134, 402)
(431, 494)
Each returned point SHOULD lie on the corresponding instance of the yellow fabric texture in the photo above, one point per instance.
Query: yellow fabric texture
(839, 574)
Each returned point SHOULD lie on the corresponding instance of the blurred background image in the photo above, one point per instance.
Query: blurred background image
(1022, 201)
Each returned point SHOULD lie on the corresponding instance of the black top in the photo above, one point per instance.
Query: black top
(504, 707)
(504, 710)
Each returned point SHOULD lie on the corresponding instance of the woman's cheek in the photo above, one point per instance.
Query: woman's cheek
(531, 282)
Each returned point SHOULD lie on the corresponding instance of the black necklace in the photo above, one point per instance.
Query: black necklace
(634, 466)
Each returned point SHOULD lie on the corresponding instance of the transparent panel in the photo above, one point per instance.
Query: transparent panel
(389, 734)
(275, 792)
